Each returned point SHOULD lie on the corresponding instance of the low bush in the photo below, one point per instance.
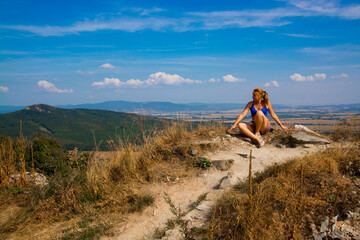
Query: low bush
(46, 153)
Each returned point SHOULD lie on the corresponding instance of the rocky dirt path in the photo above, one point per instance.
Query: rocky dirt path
(185, 192)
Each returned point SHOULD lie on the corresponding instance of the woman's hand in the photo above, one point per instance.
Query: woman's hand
(284, 128)
(230, 129)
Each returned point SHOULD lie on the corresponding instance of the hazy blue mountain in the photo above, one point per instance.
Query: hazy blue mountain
(77, 127)
(143, 107)
(7, 109)
(167, 107)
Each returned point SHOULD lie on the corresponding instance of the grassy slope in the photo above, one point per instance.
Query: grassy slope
(75, 127)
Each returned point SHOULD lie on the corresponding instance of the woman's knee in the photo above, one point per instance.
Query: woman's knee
(241, 125)
(259, 114)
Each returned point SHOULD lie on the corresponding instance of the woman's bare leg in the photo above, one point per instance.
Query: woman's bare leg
(260, 121)
(247, 130)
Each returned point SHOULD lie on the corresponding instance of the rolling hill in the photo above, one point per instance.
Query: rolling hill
(77, 127)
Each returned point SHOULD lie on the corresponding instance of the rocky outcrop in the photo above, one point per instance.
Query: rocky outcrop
(305, 129)
(303, 138)
(38, 179)
(338, 229)
(40, 108)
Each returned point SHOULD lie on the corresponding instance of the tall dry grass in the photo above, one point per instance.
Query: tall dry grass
(7, 164)
(12, 160)
(21, 142)
(287, 198)
(347, 129)
(94, 182)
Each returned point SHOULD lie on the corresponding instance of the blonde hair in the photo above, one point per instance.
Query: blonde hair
(262, 94)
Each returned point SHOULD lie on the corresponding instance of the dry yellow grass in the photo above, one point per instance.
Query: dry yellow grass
(95, 183)
(286, 197)
(6, 161)
(347, 129)
(21, 141)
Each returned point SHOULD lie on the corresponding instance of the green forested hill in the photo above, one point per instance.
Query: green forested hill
(76, 127)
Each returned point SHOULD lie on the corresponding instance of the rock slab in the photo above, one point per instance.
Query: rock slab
(303, 138)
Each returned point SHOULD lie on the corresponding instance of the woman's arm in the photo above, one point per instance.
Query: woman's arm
(275, 117)
(241, 116)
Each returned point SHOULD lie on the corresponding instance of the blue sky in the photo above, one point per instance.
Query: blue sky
(70, 52)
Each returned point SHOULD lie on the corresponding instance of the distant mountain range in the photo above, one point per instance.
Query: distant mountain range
(141, 107)
(78, 127)
(78, 124)
(157, 107)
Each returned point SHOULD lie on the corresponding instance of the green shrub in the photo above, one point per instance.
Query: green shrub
(47, 153)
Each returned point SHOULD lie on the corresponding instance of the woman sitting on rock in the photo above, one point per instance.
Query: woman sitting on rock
(260, 124)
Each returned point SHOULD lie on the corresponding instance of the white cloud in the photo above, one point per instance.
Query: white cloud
(109, 81)
(351, 12)
(212, 80)
(123, 23)
(84, 73)
(154, 79)
(299, 78)
(12, 52)
(272, 83)
(337, 50)
(153, 19)
(107, 65)
(342, 75)
(51, 87)
(320, 76)
(231, 78)
(300, 35)
(331, 8)
(144, 12)
(168, 79)
(134, 83)
(3, 89)
(240, 19)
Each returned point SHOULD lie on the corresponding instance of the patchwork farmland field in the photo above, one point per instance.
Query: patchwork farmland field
(320, 119)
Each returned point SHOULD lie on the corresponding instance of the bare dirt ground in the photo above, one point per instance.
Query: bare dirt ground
(185, 192)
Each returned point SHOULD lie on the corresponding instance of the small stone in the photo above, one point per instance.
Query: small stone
(308, 145)
(228, 182)
(193, 152)
(205, 206)
(315, 233)
(279, 145)
(203, 175)
(121, 229)
(222, 165)
(38, 179)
